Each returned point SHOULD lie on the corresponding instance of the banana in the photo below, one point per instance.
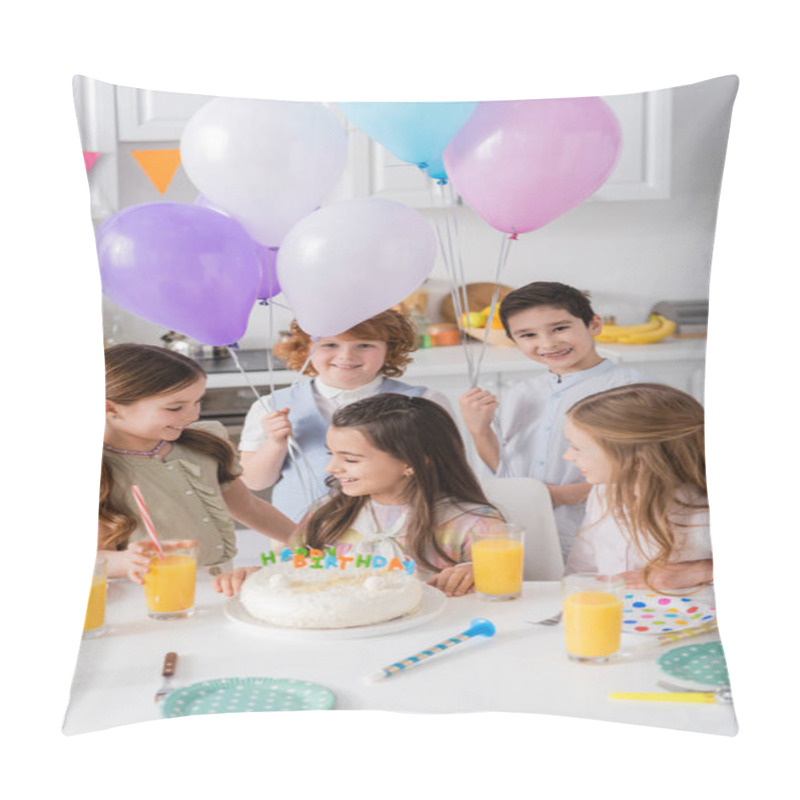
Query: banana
(665, 329)
(615, 331)
(653, 331)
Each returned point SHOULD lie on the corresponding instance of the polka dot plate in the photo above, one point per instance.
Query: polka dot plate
(695, 666)
(648, 612)
(227, 695)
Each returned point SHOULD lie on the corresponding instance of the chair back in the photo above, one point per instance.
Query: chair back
(526, 502)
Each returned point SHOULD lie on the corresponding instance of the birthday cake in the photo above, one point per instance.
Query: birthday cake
(347, 596)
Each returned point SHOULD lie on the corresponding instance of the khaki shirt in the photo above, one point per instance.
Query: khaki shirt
(183, 496)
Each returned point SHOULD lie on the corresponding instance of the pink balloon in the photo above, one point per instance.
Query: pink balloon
(522, 163)
(351, 260)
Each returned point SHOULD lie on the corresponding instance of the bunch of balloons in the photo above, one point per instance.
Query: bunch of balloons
(263, 168)
(518, 163)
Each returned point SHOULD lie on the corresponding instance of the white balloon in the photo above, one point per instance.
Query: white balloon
(351, 260)
(268, 163)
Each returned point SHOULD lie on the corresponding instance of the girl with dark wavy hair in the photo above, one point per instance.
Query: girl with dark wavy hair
(400, 485)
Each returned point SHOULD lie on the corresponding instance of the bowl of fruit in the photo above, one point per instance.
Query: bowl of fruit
(477, 325)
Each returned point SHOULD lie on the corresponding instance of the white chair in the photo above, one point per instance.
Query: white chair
(526, 502)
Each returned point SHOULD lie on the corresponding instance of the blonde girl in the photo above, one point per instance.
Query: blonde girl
(400, 485)
(364, 361)
(187, 471)
(642, 448)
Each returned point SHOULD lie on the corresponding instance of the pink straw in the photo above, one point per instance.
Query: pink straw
(148, 523)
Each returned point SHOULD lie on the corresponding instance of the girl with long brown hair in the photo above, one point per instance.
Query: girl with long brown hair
(400, 485)
(187, 470)
(642, 448)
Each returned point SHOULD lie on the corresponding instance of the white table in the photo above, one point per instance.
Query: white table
(522, 668)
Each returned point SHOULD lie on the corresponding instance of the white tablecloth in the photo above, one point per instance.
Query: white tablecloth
(522, 668)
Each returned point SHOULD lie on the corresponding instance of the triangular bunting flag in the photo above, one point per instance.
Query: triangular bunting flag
(159, 165)
(89, 158)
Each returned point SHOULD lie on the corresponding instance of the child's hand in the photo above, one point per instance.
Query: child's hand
(229, 583)
(276, 425)
(478, 408)
(672, 577)
(454, 581)
(132, 563)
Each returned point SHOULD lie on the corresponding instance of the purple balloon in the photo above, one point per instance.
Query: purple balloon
(269, 286)
(269, 274)
(522, 163)
(182, 266)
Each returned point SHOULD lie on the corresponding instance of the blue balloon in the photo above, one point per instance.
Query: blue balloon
(414, 132)
(436, 170)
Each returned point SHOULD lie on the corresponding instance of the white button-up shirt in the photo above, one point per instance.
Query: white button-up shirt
(531, 430)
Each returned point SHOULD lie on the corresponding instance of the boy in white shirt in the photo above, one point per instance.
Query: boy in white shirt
(552, 324)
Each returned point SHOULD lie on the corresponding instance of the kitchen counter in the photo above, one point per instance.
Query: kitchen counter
(437, 362)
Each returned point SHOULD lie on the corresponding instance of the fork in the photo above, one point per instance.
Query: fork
(554, 620)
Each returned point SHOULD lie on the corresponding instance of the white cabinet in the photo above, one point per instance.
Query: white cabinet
(144, 115)
(644, 167)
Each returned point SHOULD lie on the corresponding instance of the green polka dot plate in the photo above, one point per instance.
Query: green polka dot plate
(227, 695)
(696, 666)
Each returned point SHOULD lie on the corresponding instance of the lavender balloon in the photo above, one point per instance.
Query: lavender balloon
(350, 260)
(269, 285)
(522, 163)
(182, 266)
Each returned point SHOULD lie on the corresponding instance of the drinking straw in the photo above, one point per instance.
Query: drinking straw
(676, 697)
(148, 523)
(478, 627)
(669, 638)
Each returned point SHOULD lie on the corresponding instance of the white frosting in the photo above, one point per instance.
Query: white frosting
(329, 598)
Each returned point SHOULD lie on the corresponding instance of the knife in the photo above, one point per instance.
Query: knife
(167, 671)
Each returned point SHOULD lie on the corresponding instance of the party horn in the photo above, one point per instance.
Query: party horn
(478, 627)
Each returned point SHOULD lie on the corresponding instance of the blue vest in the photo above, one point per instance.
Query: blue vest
(309, 428)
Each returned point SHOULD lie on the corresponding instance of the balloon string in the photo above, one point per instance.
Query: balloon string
(446, 248)
(462, 275)
(441, 239)
(272, 302)
(501, 262)
(295, 451)
(461, 304)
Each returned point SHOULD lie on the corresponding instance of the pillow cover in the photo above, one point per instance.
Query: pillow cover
(223, 224)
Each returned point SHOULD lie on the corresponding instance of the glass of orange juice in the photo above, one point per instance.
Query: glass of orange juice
(497, 561)
(94, 624)
(592, 616)
(170, 581)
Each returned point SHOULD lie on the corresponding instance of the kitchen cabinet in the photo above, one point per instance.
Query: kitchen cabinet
(144, 115)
